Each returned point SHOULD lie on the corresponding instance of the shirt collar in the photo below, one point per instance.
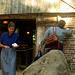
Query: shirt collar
(8, 34)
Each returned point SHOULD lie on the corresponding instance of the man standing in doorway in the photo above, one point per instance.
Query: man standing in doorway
(8, 53)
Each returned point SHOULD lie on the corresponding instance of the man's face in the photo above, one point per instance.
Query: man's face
(11, 30)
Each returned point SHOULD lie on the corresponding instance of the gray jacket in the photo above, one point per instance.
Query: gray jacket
(61, 33)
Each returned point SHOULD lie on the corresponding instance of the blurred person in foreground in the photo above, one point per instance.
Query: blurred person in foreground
(8, 52)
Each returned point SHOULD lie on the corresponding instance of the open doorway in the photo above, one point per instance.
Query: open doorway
(26, 29)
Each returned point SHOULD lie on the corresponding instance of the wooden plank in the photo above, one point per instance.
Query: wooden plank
(13, 3)
(25, 50)
(23, 6)
(15, 7)
(69, 15)
(21, 66)
(36, 15)
(12, 6)
(32, 6)
(3, 6)
(9, 5)
(6, 7)
(4, 17)
(27, 6)
(20, 7)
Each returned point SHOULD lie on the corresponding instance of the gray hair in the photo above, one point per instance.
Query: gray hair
(61, 23)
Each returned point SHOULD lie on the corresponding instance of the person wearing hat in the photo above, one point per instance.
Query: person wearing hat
(8, 52)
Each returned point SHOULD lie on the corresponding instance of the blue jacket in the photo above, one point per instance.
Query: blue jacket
(61, 33)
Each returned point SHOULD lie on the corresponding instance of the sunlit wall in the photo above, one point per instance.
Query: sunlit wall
(28, 6)
(35, 6)
(67, 6)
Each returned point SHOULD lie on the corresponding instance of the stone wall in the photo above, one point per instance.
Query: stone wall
(69, 43)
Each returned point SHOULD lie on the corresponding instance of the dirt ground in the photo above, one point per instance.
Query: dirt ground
(72, 73)
(19, 72)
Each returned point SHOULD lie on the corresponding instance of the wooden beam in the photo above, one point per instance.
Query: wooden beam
(35, 15)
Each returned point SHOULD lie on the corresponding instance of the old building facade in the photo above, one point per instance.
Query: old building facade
(46, 13)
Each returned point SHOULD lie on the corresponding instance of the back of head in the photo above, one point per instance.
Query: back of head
(61, 23)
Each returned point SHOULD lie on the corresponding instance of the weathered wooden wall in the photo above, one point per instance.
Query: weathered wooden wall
(35, 6)
(28, 6)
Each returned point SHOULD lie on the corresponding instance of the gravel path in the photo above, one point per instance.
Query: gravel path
(18, 72)
(72, 73)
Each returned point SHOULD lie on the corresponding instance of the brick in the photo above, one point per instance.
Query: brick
(73, 31)
(72, 62)
(65, 53)
(69, 55)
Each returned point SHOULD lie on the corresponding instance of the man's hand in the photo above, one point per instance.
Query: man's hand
(6, 47)
(65, 27)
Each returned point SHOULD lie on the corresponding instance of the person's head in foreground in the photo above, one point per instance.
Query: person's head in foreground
(11, 28)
